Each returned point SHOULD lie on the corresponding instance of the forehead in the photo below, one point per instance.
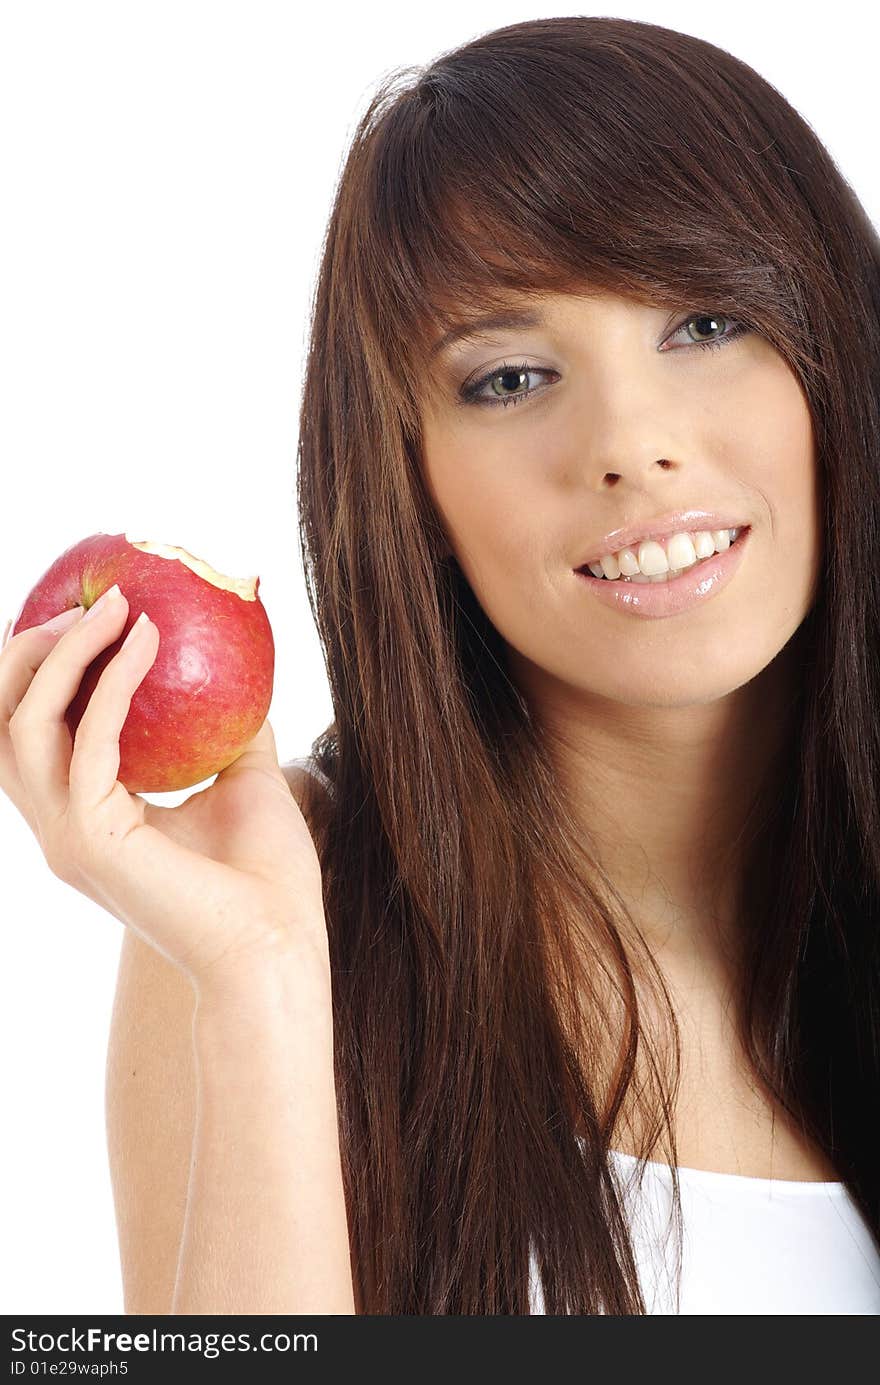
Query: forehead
(524, 311)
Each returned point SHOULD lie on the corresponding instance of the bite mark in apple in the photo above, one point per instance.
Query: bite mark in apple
(245, 587)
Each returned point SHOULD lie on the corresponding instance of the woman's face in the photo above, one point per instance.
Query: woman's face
(621, 416)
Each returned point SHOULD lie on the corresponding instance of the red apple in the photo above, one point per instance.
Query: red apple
(208, 691)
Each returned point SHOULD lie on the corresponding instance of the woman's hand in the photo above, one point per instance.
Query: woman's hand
(227, 878)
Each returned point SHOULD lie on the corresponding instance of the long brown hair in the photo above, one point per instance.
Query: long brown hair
(564, 155)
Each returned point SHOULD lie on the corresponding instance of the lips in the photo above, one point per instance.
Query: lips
(661, 528)
(692, 588)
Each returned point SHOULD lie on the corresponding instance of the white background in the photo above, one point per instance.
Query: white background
(166, 171)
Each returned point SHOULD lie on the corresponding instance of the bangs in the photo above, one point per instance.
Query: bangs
(487, 194)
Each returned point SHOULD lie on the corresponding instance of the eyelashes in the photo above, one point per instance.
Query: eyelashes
(470, 392)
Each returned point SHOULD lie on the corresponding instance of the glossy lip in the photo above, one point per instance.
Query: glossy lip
(662, 526)
(656, 600)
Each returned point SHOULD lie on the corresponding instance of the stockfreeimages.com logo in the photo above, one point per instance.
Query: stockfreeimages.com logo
(207, 1344)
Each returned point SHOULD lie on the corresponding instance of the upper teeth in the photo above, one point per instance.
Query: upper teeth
(651, 558)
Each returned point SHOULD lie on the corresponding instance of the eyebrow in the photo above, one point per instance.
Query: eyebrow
(489, 322)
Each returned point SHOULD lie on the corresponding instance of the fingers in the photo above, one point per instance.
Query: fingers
(22, 656)
(40, 740)
(94, 763)
(39, 734)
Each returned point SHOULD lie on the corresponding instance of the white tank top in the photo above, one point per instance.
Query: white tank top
(750, 1245)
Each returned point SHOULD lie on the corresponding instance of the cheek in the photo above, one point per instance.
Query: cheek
(485, 508)
(786, 473)
(799, 546)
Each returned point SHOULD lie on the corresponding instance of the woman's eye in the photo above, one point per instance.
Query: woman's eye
(707, 323)
(513, 385)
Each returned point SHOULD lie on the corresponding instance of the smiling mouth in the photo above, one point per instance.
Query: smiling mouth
(640, 579)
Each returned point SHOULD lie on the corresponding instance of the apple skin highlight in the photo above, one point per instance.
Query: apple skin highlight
(209, 688)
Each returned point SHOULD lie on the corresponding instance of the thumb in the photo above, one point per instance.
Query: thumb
(259, 753)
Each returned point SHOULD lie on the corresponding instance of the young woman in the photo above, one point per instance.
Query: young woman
(571, 939)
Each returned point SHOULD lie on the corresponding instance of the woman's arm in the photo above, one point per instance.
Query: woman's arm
(266, 1229)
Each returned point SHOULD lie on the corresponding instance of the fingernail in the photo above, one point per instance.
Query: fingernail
(6, 632)
(64, 621)
(139, 625)
(111, 595)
